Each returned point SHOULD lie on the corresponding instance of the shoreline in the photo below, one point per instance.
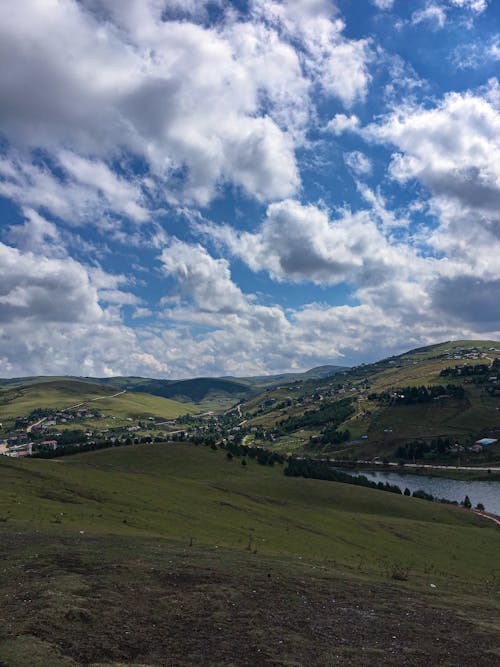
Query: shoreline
(463, 473)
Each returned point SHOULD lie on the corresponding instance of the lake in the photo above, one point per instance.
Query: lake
(487, 492)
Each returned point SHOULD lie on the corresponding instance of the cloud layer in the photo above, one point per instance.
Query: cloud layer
(199, 187)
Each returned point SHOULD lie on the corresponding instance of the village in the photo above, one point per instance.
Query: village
(47, 430)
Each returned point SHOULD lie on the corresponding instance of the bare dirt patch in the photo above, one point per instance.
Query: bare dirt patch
(109, 600)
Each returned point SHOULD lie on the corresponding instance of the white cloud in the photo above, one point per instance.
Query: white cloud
(300, 243)
(36, 234)
(451, 149)
(205, 280)
(200, 106)
(358, 162)
(477, 6)
(142, 312)
(434, 14)
(122, 196)
(341, 123)
(339, 65)
(89, 190)
(53, 320)
(383, 4)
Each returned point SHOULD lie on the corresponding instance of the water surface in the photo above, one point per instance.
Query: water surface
(486, 492)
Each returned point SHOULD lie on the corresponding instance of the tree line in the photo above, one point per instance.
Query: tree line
(420, 394)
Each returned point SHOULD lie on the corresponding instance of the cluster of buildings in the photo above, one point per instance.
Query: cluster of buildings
(467, 352)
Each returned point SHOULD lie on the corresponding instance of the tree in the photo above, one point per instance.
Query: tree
(467, 503)
(480, 507)
(407, 492)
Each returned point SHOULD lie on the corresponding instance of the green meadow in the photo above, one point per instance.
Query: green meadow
(189, 493)
(61, 394)
(172, 554)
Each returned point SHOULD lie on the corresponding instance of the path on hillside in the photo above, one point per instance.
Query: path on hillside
(91, 400)
(71, 407)
(486, 515)
(31, 426)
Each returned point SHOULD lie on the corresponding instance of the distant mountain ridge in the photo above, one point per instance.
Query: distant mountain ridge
(195, 390)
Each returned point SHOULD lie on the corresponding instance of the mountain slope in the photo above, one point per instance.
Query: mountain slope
(64, 393)
(388, 403)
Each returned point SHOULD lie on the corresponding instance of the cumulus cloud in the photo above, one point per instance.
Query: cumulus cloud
(207, 281)
(341, 123)
(469, 298)
(339, 65)
(47, 289)
(36, 234)
(125, 114)
(88, 190)
(453, 149)
(194, 103)
(358, 163)
(298, 243)
(53, 318)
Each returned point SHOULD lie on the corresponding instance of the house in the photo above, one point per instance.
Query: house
(486, 442)
(49, 443)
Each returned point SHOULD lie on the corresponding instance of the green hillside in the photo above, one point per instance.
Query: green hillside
(137, 553)
(207, 392)
(65, 393)
(447, 403)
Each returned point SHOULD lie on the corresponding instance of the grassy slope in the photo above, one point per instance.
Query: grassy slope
(281, 572)
(476, 413)
(179, 491)
(65, 393)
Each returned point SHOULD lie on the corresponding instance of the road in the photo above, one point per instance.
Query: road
(71, 407)
(91, 400)
(486, 515)
(40, 421)
(420, 466)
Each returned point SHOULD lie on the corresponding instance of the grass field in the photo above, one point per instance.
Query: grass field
(61, 394)
(163, 554)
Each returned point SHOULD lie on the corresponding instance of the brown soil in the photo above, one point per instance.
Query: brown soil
(110, 601)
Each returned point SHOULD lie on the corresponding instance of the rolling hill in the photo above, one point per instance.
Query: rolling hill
(62, 394)
(130, 555)
(449, 391)
(206, 392)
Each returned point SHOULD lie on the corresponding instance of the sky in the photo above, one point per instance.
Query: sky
(245, 187)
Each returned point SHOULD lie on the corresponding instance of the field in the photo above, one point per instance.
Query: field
(174, 555)
(61, 394)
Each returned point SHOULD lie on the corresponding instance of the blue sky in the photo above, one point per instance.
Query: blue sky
(193, 187)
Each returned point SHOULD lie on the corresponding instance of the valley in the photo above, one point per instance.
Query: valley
(260, 533)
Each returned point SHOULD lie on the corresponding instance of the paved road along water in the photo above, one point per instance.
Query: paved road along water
(487, 493)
